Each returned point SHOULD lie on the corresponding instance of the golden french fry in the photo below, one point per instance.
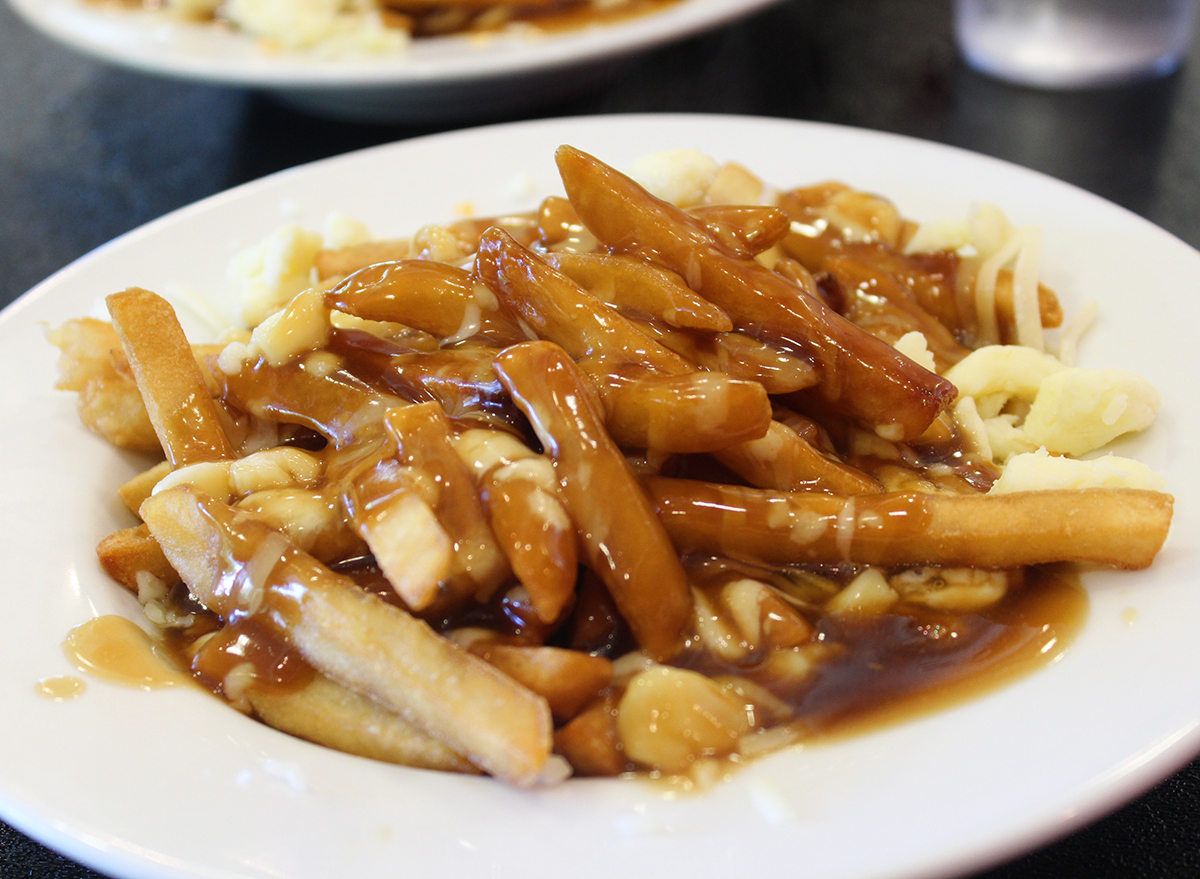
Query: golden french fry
(641, 288)
(695, 412)
(112, 407)
(884, 306)
(184, 416)
(133, 491)
(1122, 528)
(440, 299)
(531, 523)
(737, 355)
(783, 460)
(328, 714)
(85, 347)
(131, 551)
(347, 260)
(461, 379)
(236, 565)
(334, 403)
(558, 310)
(860, 375)
(745, 230)
(624, 543)
(591, 742)
(423, 438)
(566, 679)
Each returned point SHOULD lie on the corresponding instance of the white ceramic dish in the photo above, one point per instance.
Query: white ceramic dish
(174, 784)
(435, 80)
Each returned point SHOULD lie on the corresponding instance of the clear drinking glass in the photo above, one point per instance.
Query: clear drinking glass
(1073, 43)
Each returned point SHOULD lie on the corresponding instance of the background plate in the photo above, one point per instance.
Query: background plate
(436, 79)
(172, 783)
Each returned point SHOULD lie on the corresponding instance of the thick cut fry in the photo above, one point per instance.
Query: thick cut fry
(112, 407)
(884, 306)
(737, 355)
(184, 416)
(528, 516)
(423, 438)
(639, 287)
(1123, 528)
(440, 299)
(860, 375)
(696, 412)
(133, 491)
(558, 310)
(126, 553)
(85, 345)
(624, 543)
(346, 260)
(785, 461)
(591, 740)
(461, 379)
(745, 230)
(567, 679)
(328, 714)
(334, 403)
(237, 566)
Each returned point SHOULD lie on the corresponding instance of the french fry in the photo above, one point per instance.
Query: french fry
(1122, 528)
(785, 461)
(860, 375)
(878, 302)
(737, 355)
(112, 407)
(331, 715)
(130, 551)
(440, 299)
(334, 403)
(566, 679)
(133, 491)
(177, 400)
(639, 287)
(591, 741)
(528, 517)
(343, 261)
(624, 543)
(423, 438)
(556, 309)
(696, 412)
(236, 565)
(745, 230)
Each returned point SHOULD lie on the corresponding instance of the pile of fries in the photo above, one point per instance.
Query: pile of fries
(575, 491)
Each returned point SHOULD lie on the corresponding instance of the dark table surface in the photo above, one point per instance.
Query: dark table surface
(88, 151)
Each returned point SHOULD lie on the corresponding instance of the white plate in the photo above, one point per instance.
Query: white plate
(172, 783)
(436, 79)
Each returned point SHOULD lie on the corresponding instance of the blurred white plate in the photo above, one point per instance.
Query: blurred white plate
(436, 79)
(174, 784)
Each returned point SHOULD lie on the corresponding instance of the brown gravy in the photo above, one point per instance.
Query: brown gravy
(897, 668)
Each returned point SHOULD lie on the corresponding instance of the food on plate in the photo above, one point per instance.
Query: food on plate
(625, 484)
(364, 27)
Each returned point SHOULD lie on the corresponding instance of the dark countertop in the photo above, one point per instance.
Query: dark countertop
(88, 151)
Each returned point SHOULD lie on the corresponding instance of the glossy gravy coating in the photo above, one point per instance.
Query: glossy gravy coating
(805, 561)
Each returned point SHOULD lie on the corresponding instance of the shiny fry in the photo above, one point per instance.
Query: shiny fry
(624, 543)
(177, 400)
(1122, 528)
(356, 639)
(861, 375)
